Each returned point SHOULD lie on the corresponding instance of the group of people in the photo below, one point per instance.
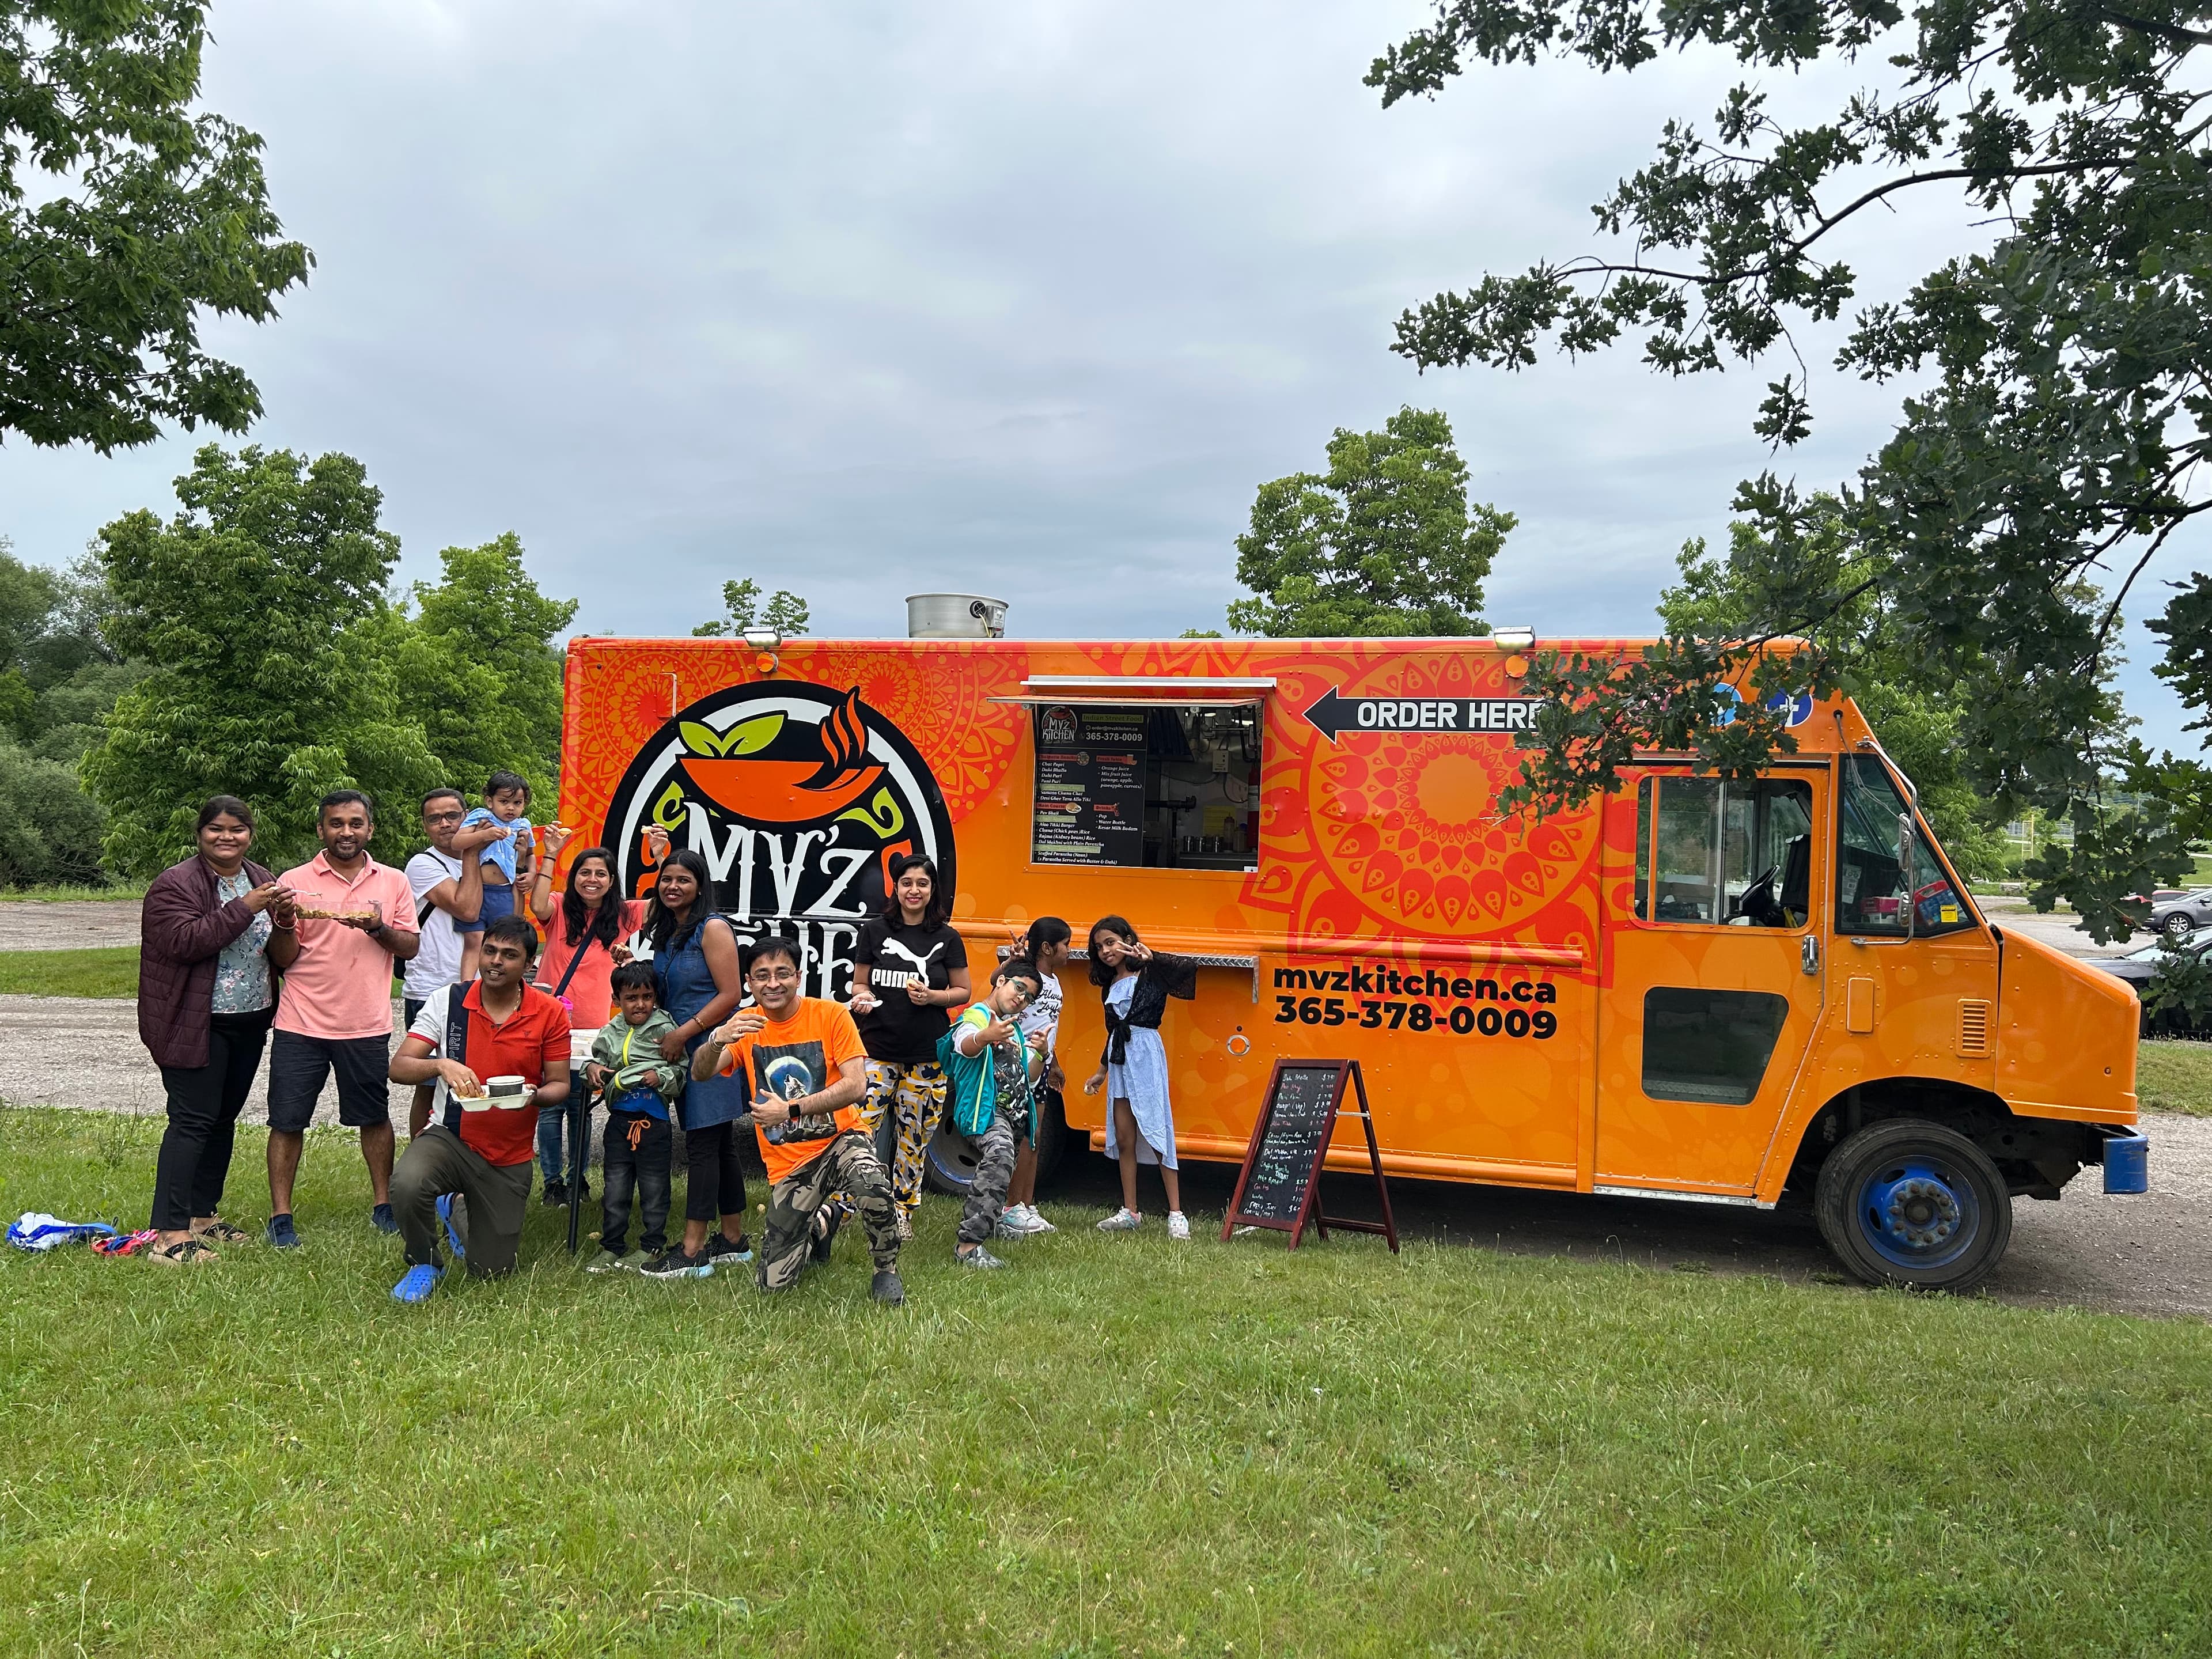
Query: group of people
(698, 1034)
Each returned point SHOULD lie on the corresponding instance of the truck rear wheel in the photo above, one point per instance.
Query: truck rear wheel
(1909, 1202)
(948, 1165)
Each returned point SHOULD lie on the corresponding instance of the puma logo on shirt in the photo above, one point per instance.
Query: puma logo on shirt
(899, 978)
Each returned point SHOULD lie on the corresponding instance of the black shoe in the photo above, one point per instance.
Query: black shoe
(583, 1189)
(556, 1192)
(885, 1288)
(825, 1235)
(672, 1263)
(720, 1249)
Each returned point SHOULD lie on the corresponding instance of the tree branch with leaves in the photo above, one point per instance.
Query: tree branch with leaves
(2067, 405)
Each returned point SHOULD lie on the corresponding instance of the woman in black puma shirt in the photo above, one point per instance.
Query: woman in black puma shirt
(909, 973)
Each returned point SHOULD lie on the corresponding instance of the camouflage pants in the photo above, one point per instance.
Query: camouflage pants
(847, 1164)
(986, 1193)
(915, 1096)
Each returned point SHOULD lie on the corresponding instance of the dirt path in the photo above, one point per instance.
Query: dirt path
(2151, 1255)
(28, 927)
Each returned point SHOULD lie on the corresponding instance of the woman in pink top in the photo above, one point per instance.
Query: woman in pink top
(588, 928)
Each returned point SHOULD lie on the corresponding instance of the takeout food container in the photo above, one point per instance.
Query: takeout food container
(508, 1092)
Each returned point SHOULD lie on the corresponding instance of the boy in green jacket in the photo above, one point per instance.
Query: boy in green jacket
(639, 1086)
(991, 1098)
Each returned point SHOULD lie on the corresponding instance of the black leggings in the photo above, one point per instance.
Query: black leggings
(204, 1101)
(717, 1183)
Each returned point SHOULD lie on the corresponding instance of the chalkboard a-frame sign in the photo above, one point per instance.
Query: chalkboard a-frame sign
(1280, 1186)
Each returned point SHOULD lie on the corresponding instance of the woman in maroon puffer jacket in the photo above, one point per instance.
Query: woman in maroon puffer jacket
(215, 932)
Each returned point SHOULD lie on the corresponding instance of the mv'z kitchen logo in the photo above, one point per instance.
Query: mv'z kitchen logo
(797, 796)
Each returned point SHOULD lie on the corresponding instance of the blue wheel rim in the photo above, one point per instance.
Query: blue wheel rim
(1918, 1212)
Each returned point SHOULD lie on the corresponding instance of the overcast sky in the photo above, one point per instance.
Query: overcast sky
(872, 298)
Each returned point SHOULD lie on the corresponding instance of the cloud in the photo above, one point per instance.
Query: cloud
(872, 299)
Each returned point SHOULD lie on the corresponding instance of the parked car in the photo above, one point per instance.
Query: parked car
(2177, 913)
(2139, 968)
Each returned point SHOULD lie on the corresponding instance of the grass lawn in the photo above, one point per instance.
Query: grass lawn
(1119, 1445)
(2175, 1077)
(122, 892)
(110, 971)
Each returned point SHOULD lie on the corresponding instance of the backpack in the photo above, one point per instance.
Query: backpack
(972, 1085)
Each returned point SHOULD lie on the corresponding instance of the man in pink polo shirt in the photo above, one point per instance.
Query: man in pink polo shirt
(334, 1012)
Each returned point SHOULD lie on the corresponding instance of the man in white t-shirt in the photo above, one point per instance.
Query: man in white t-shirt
(448, 894)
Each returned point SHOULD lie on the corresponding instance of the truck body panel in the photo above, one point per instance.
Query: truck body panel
(1574, 1002)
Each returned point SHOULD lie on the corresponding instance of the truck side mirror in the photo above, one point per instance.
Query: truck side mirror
(1904, 873)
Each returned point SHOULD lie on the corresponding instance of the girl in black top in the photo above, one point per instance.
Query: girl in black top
(909, 974)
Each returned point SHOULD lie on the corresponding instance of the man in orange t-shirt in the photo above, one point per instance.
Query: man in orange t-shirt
(806, 1069)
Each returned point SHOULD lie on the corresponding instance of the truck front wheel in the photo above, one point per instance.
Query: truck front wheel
(1906, 1201)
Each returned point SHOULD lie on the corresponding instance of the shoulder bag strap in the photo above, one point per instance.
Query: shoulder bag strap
(569, 972)
(422, 910)
(456, 1046)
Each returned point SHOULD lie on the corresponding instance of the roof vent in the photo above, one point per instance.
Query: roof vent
(954, 616)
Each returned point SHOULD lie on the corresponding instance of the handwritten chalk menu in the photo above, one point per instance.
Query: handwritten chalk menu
(1280, 1186)
(1089, 786)
(1301, 1112)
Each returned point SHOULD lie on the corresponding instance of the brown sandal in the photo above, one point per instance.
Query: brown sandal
(219, 1232)
(185, 1253)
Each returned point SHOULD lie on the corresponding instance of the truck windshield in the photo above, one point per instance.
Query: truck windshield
(1870, 887)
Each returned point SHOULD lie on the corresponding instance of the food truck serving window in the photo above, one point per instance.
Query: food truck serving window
(1870, 883)
(1162, 786)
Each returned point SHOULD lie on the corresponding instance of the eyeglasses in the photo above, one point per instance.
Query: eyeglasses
(441, 817)
(1021, 989)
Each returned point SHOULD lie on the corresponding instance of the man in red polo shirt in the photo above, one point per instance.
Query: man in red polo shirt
(479, 1148)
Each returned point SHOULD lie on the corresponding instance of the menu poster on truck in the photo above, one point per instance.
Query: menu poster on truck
(1089, 786)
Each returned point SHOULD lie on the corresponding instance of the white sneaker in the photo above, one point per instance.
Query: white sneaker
(1178, 1226)
(1033, 1224)
(1123, 1220)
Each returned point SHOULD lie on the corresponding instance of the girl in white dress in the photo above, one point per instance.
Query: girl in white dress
(1135, 982)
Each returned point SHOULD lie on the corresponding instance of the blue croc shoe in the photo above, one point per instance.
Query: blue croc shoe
(445, 1215)
(417, 1284)
(381, 1217)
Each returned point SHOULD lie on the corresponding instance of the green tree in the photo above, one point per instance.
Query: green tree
(785, 611)
(1385, 543)
(27, 595)
(124, 216)
(57, 680)
(260, 608)
(2064, 400)
(1918, 724)
(478, 669)
(50, 830)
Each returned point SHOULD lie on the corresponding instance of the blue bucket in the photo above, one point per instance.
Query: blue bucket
(2127, 1164)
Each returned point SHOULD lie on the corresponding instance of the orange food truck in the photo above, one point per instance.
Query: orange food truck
(1737, 994)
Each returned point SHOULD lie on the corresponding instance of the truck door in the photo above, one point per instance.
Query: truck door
(1716, 989)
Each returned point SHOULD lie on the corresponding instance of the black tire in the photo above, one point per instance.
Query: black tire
(1909, 1202)
(2180, 926)
(948, 1165)
(1052, 1136)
